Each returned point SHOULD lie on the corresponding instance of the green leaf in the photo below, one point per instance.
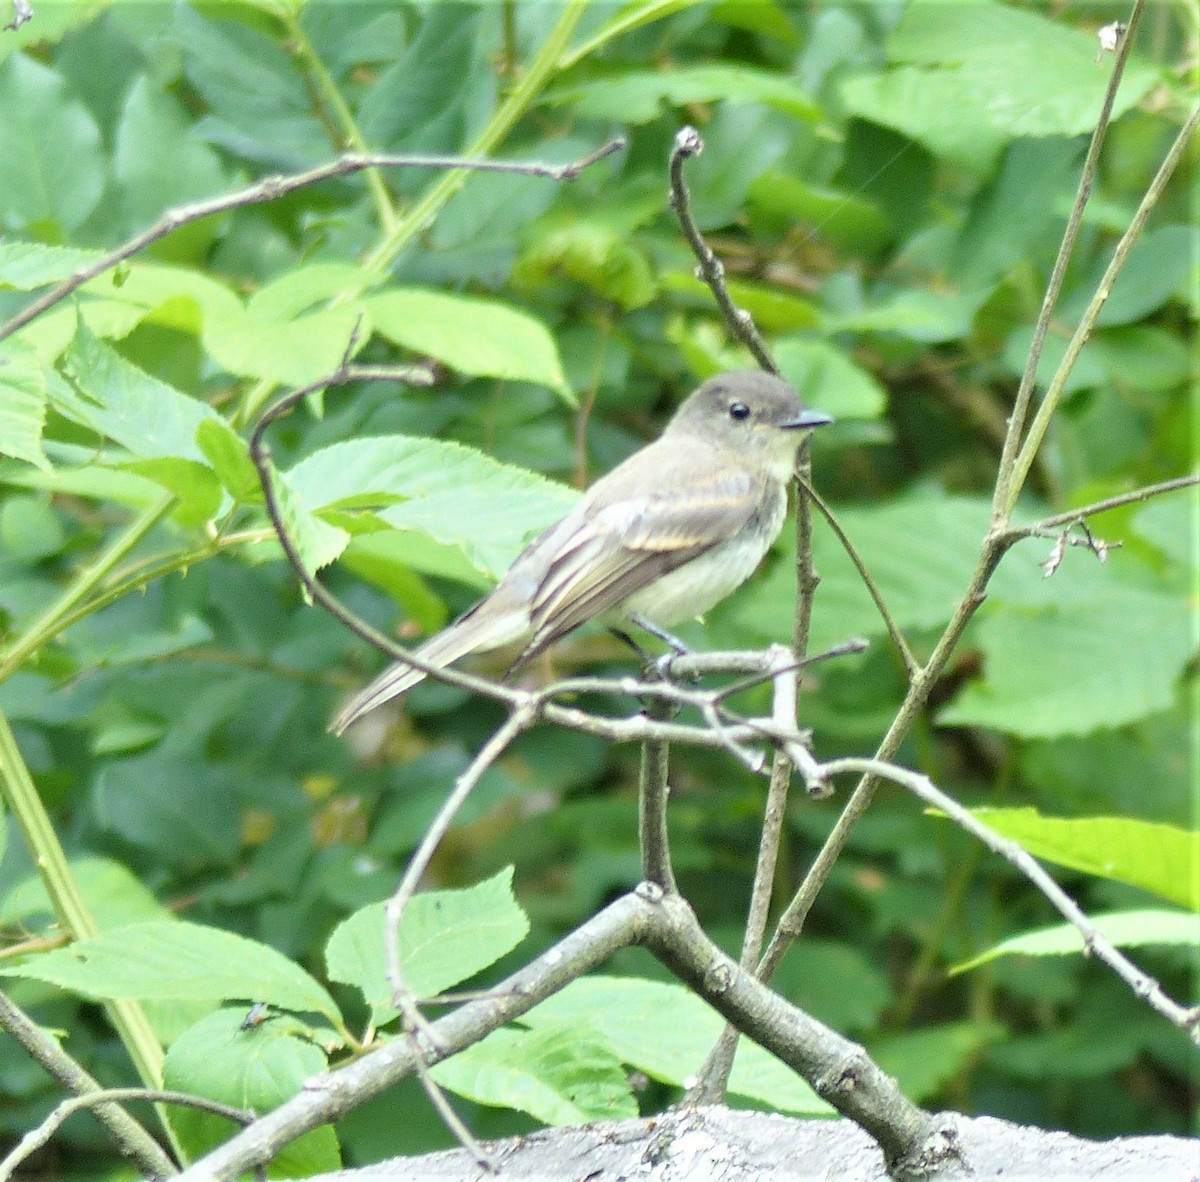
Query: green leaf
(1050, 672)
(918, 314)
(50, 145)
(1161, 859)
(445, 937)
(921, 581)
(1156, 270)
(773, 310)
(175, 959)
(1143, 356)
(28, 265)
(1124, 929)
(974, 75)
(113, 895)
(667, 1031)
(195, 485)
(127, 405)
(22, 405)
(937, 109)
(228, 454)
(158, 163)
(260, 104)
(316, 541)
(457, 496)
(637, 97)
(591, 252)
(472, 336)
(561, 1075)
(256, 1069)
(846, 220)
(280, 337)
(829, 380)
(924, 1061)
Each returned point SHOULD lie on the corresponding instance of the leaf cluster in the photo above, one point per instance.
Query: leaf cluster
(886, 189)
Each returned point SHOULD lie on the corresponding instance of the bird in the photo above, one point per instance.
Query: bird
(660, 539)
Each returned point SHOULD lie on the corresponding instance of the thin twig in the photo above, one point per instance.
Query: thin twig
(37, 1137)
(1095, 942)
(131, 1138)
(741, 324)
(1039, 528)
(514, 724)
(1049, 403)
(653, 793)
(1007, 485)
(455, 1123)
(911, 664)
(272, 188)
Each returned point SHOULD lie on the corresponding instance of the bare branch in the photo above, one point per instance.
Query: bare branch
(1095, 942)
(911, 663)
(1008, 483)
(741, 324)
(131, 1137)
(1045, 412)
(272, 188)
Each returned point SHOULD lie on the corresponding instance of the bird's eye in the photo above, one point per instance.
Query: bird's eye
(739, 411)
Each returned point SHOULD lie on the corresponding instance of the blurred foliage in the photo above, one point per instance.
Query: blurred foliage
(887, 185)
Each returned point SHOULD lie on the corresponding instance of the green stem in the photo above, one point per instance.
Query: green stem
(351, 135)
(1041, 421)
(50, 623)
(651, 11)
(430, 205)
(72, 911)
(398, 236)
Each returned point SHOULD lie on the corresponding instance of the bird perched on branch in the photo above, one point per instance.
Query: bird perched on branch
(665, 535)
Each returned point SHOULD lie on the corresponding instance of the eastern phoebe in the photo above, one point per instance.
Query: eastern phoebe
(665, 535)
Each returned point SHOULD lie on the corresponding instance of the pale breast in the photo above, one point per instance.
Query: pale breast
(693, 588)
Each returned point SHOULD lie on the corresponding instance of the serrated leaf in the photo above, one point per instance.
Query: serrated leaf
(1162, 859)
(28, 265)
(1051, 672)
(175, 959)
(457, 496)
(317, 542)
(1123, 929)
(629, 1013)
(445, 937)
(22, 405)
(561, 1075)
(125, 404)
(257, 1069)
(478, 337)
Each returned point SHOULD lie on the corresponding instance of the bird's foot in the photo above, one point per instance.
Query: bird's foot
(661, 666)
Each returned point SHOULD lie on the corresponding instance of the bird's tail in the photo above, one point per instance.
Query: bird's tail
(477, 631)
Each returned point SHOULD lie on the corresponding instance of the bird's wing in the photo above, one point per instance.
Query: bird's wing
(624, 540)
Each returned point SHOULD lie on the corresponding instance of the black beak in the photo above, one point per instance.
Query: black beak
(806, 420)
